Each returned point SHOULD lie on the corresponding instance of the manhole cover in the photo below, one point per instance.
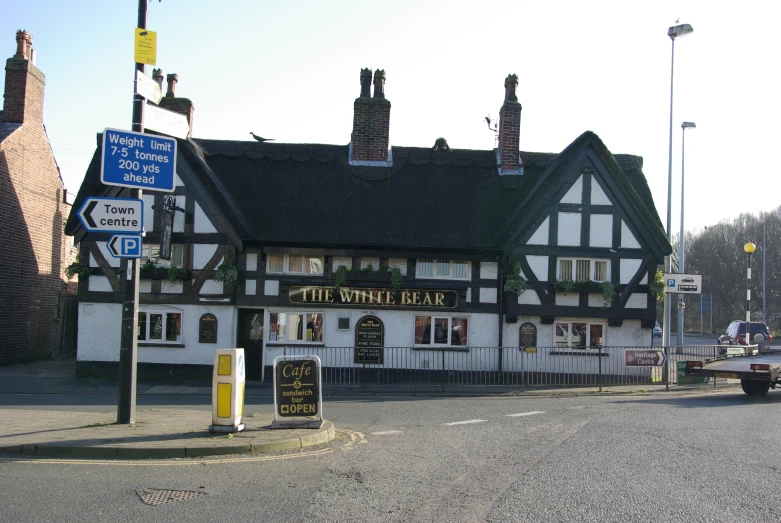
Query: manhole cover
(152, 496)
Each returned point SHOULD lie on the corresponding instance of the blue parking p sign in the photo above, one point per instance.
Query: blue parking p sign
(125, 245)
(138, 160)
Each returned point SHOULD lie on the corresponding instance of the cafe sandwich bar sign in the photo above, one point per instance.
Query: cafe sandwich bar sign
(445, 299)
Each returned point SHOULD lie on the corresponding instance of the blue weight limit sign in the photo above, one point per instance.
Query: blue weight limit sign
(138, 160)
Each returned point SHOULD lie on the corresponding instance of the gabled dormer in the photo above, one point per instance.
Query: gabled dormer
(587, 226)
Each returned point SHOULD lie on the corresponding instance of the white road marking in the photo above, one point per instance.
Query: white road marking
(385, 432)
(465, 422)
(525, 414)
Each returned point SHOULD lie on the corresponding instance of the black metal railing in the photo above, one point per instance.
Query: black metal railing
(451, 367)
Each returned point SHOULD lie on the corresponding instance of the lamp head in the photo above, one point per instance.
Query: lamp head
(678, 31)
(688, 125)
(749, 247)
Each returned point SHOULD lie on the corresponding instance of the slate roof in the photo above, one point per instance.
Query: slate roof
(309, 195)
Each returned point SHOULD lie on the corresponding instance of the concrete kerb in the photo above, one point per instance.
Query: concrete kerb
(261, 440)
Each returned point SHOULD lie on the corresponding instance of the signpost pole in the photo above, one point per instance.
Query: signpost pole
(126, 408)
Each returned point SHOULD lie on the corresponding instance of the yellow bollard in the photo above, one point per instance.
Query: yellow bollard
(228, 391)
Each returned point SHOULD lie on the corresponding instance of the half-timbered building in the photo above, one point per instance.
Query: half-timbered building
(369, 246)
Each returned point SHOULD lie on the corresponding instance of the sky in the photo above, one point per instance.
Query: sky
(290, 71)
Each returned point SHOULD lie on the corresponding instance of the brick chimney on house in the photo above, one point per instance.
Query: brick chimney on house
(510, 129)
(171, 102)
(24, 84)
(369, 143)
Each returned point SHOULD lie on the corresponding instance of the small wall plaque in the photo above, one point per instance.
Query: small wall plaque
(208, 329)
(528, 337)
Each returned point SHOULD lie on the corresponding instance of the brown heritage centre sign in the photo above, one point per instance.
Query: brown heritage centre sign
(307, 294)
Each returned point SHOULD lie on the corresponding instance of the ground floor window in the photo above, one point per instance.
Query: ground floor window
(433, 330)
(160, 326)
(580, 335)
(296, 326)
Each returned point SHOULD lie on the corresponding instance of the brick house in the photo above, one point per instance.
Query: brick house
(33, 287)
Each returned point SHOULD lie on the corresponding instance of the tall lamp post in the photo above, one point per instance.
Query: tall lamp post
(673, 32)
(681, 310)
(749, 248)
(764, 274)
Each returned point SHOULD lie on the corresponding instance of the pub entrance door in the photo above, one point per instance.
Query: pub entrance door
(250, 338)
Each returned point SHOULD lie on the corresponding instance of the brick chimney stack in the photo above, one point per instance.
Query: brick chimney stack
(510, 129)
(171, 102)
(24, 84)
(371, 123)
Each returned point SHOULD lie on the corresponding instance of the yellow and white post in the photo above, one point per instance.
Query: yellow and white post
(228, 391)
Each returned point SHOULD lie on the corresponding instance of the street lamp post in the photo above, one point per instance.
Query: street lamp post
(764, 274)
(749, 248)
(681, 310)
(673, 32)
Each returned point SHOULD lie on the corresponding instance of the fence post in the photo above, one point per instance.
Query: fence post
(444, 375)
(600, 367)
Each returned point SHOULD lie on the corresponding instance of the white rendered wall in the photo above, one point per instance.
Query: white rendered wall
(271, 288)
(212, 287)
(99, 284)
(181, 201)
(539, 266)
(569, 229)
(575, 194)
(637, 301)
(489, 270)
(487, 295)
(252, 261)
(201, 222)
(598, 196)
(99, 334)
(628, 240)
(250, 287)
(399, 332)
(628, 269)
(601, 233)
(149, 213)
(202, 253)
(540, 236)
(528, 297)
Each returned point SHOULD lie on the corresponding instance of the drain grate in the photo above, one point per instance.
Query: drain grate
(155, 497)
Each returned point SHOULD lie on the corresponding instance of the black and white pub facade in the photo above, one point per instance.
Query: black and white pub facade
(369, 254)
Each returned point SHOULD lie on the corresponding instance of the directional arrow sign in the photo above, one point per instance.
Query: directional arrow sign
(112, 215)
(643, 358)
(148, 88)
(165, 121)
(125, 245)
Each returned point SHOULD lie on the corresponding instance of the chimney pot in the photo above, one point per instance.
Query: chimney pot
(510, 83)
(366, 82)
(172, 79)
(157, 76)
(379, 83)
(23, 42)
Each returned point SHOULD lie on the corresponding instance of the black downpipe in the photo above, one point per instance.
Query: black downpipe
(500, 293)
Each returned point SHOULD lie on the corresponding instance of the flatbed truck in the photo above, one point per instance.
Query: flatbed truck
(757, 367)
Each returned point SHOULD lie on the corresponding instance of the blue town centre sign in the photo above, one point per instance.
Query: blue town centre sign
(138, 160)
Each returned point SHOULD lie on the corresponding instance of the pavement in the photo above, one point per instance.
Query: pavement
(170, 433)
